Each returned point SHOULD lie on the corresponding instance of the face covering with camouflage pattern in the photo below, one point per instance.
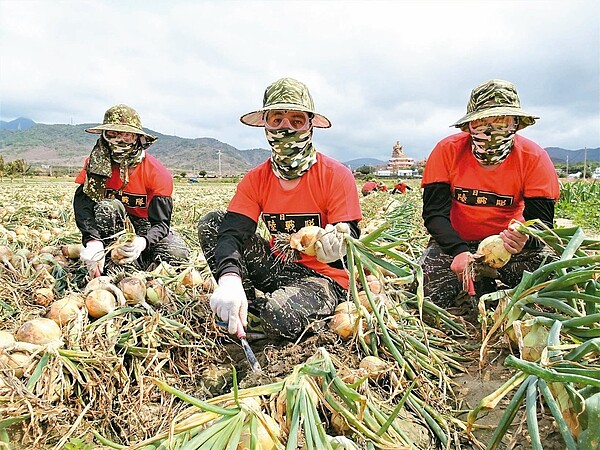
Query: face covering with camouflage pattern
(292, 152)
(99, 167)
(492, 144)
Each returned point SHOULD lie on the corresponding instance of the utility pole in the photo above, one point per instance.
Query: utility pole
(567, 165)
(584, 160)
(219, 153)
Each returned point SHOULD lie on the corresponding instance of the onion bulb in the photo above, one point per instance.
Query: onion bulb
(339, 424)
(39, 331)
(374, 284)
(71, 251)
(373, 366)
(304, 240)
(263, 438)
(66, 309)
(191, 278)
(44, 296)
(100, 302)
(157, 293)
(344, 319)
(531, 338)
(18, 361)
(6, 339)
(492, 252)
(134, 290)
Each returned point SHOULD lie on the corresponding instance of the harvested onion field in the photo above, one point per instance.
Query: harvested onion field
(517, 369)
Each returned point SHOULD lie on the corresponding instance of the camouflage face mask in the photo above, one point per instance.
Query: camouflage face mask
(292, 152)
(491, 144)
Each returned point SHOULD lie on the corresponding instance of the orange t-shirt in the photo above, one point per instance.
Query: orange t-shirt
(325, 194)
(369, 186)
(146, 181)
(485, 200)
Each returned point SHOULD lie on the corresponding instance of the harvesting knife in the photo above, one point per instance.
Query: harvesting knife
(254, 365)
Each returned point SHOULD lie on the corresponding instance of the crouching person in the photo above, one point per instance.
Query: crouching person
(296, 187)
(121, 181)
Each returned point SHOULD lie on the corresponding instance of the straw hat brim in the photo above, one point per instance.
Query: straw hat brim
(255, 118)
(526, 119)
(123, 128)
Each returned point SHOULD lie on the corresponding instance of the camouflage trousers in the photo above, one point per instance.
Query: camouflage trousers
(292, 297)
(110, 217)
(442, 285)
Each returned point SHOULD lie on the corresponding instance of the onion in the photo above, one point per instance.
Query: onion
(134, 290)
(373, 366)
(339, 424)
(304, 240)
(191, 278)
(531, 338)
(377, 298)
(104, 282)
(100, 302)
(6, 339)
(5, 254)
(45, 235)
(344, 319)
(492, 251)
(44, 296)
(71, 251)
(263, 438)
(157, 293)
(209, 285)
(39, 331)
(374, 284)
(66, 309)
(18, 361)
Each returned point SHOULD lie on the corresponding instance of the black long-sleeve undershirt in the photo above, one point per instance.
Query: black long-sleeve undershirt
(437, 199)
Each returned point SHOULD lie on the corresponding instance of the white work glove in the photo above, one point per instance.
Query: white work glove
(93, 257)
(131, 250)
(331, 245)
(229, 302)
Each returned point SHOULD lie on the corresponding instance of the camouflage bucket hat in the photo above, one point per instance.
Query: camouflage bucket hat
(122, 118)
(494, 98)
(288, 94)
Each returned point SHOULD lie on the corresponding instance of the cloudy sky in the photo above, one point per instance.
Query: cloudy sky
(381, 71)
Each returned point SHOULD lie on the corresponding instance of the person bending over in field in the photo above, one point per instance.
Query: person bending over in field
(295, 188)
(120, 181)
(401, 187)
(474, 183)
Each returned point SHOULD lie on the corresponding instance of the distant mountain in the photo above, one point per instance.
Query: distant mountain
(69, 145)
(18, 124)
(560, 155)
(356, 163)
